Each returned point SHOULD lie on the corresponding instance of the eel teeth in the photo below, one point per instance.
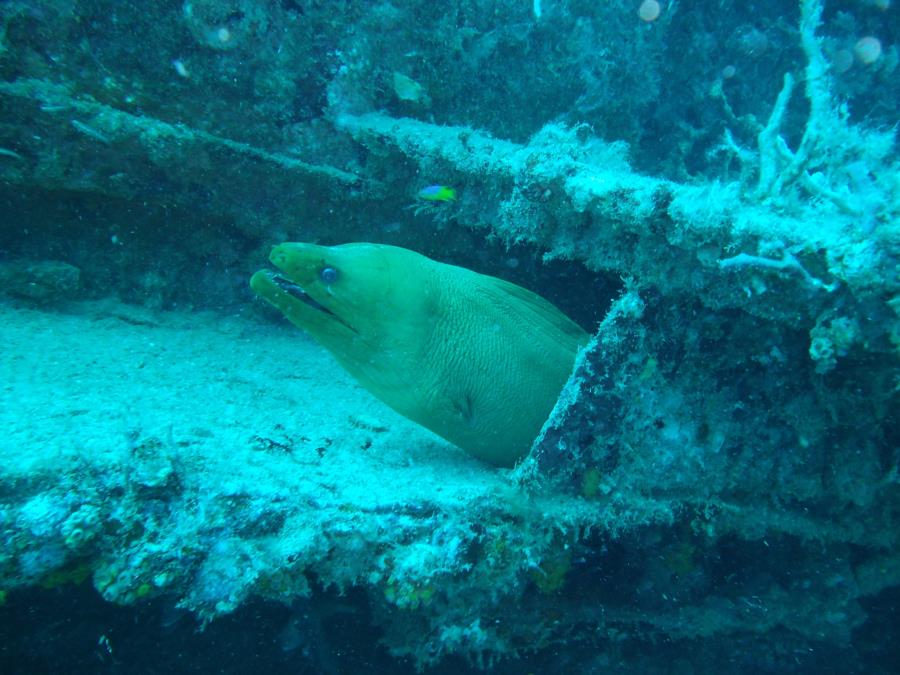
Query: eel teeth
(296, 291)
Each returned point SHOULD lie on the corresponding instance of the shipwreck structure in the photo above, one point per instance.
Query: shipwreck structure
(720, 471)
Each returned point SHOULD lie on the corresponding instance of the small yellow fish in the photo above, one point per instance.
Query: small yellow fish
(437, 193)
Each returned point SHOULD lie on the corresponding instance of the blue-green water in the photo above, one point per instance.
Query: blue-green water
(674, 232)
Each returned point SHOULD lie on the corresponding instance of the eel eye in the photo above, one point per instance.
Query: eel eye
(328, 274)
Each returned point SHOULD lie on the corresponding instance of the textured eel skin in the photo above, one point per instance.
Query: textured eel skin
(475, 359)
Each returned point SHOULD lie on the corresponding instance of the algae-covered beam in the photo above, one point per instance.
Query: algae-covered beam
(577, 198)
(572, 161)
(52, 139)
(581, 438)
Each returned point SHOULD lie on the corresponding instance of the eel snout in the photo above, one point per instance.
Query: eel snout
(294, 290)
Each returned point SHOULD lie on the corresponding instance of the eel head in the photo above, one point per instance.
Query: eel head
(343, 294)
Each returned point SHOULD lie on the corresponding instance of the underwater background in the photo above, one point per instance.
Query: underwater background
(709, 190)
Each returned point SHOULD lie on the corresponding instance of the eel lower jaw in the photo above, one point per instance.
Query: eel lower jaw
(296, 291)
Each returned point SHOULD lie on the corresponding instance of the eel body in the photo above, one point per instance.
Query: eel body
(475, 359)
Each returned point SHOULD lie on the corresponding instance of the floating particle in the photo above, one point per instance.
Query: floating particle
(407, 89)
(728, 72)
(751, 41)
(842, 60)
(649, 10)
(867, 49)
(180, 68)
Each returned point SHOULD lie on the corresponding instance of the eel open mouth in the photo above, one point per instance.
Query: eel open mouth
(296, 291)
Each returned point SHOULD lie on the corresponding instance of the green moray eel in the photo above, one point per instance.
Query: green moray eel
(475, 359)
